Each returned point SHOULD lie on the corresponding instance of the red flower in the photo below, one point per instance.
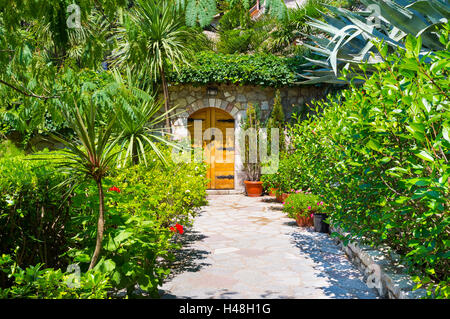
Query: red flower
(179, 228)
(114, 189)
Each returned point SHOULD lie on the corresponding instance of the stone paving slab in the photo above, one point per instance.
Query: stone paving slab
(243, 247)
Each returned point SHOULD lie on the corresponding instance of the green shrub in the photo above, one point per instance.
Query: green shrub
(237, 17)
(34, 282)
(289, 177)
(234, 41)
(138, 242)
(142, 203)
(8, 149)
(277, 121)
(303, 204)
(257, 69)
(380, 154)
(31, 214)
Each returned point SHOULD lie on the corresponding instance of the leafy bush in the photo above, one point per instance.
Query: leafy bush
(380, 154)
(303, 204)
(257, 69)
(8, 149)
(234, 41)
(35, 282)
(276, 121)
(141, 205)
(237, 16)
(288, 177)
(31, 214)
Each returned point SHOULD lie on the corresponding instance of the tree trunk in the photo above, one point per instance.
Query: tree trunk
(100, 225)
(134, 155)
(166, 97)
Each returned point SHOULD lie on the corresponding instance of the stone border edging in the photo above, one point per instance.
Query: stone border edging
(381, 271)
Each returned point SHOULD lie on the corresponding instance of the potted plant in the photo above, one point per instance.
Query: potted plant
(268, 184)
(277, 120)
(301, 206)
(320, 216)
(280, 195)
(250, 150)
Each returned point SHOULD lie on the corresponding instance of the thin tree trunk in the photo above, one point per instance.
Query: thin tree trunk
(100, 225)
(166, 97)
(135, 156)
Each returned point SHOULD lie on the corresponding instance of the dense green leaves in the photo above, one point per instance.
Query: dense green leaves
(380, 155)
(31, 211)
(257, 69)
(36, 282)
(138, 244)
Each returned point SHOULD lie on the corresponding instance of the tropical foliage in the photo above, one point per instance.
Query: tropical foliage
(349, 38)
(141, 204)
(257, 69)
(203, 11)
(35, 282)
(380, 155)
(111, 204)
(152, 40)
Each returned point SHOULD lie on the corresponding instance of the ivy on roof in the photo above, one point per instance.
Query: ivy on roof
(257, 69)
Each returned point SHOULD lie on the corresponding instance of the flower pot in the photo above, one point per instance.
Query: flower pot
(254, 189)
(319, 223)
(272, 192)
(304, 221)
(282, 197)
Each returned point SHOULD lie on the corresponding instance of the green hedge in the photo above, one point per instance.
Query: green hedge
(138, 243)
(36, 231)
(256, 69)
(35, 282)
(31, 215)
(380, 154)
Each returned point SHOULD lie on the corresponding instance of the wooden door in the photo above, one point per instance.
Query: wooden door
(217, 141)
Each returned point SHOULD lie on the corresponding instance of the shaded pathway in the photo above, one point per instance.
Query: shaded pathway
(242, 247)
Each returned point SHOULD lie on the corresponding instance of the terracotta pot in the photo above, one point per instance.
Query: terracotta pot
(305, 221)
(254, 189)
(282, 197)
(272, 192)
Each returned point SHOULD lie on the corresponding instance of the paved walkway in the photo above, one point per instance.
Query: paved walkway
(242, 247)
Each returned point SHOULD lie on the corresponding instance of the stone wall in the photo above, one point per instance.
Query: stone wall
(234, 100)
(381, 268)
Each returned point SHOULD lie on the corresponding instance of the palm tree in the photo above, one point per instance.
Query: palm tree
(154, 39)
(91, 159)
(137, 121)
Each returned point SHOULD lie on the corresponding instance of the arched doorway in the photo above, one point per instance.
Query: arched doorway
(212, 129)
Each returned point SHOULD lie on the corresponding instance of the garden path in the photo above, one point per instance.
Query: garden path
(243, 247)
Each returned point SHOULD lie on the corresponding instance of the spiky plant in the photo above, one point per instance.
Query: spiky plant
(349, 37)
(89, 156)
(153, 40)
(138, 121)
(202, 12)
